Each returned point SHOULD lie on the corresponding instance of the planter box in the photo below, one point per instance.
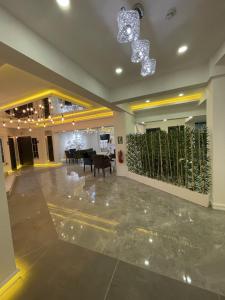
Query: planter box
(180, 192)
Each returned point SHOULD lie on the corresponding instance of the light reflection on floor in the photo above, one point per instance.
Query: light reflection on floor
(136, 224)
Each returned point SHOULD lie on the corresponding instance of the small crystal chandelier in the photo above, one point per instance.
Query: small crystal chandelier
(129, 25)
(148, 67)
(140, 50)
(129, 31)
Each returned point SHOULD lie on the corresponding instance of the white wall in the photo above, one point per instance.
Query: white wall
(7, 261)
(69, 140)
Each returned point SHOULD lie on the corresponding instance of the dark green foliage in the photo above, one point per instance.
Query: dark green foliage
(179, 157)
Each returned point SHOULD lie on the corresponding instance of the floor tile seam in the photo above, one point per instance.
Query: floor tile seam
(111, 279)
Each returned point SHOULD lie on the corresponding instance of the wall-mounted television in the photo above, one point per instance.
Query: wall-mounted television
(105, 137)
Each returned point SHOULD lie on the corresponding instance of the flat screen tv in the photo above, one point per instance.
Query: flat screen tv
(105, 137)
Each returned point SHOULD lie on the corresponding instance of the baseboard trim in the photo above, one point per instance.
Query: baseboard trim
(180, 192)
(2, 283)
(219, 206)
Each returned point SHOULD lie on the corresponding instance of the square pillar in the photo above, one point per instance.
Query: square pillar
(124, 123)
(216, 126)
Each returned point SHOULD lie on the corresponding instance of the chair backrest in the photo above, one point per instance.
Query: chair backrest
(101, 161)
(89, 154)
(67, 153)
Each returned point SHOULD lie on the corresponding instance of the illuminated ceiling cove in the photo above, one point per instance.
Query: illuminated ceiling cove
(49, 108)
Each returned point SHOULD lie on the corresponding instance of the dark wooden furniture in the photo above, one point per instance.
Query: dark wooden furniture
(88, 159)
(101, 162)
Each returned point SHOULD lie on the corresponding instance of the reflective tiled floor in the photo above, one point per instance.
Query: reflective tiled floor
(113, 238)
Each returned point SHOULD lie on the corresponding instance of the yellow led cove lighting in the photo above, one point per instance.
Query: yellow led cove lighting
(167, 101)
(68, 115)
(84, 118)
(48, 165)
(11, 289)
(43, 94)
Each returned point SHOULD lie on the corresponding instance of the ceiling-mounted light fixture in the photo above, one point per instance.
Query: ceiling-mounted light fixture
(65, 4)
(129, 25)
(182, 49)
(30, 129)
(140, 50)
(148, 67)
(129, 31)
(3, 124)
(119, 71)
(11, 121)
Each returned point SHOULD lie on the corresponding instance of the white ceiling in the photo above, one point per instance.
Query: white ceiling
(87, 33)
(16, 84)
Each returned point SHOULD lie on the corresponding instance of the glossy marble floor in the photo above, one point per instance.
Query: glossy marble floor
(112, 238)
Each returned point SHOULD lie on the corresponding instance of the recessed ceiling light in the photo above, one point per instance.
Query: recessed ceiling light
(147, 101)
(181, 94)
(182, 49)
(142, 122)
(164, 120)
(63, 3)
(119, 71)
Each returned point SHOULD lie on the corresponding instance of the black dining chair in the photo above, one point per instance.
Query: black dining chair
(68, 156)
(88, 159)
(101, 162)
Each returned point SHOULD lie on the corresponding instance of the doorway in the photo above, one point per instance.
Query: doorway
(25, 151)
(50, 148)
(12, 153)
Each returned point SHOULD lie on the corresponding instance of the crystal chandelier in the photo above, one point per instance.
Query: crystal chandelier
(148, 66)
(140, 50)
(129, 31)
(129, 26)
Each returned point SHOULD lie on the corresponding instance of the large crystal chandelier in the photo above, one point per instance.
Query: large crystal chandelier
(129, 31)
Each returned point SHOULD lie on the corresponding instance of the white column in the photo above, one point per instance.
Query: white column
(124, 123)
(7, 261)
(56, 147)
(216, 125)
(42, 147)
